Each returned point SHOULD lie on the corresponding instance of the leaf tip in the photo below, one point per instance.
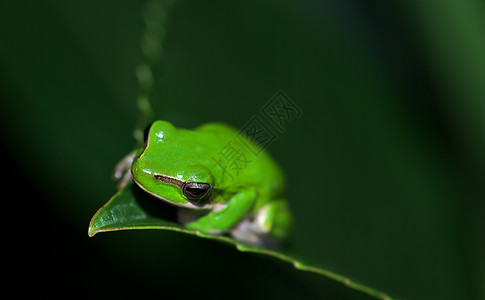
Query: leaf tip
(91, 231)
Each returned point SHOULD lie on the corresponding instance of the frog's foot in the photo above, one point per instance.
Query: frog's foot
(247, 232)
(186, 216)
(122, 171)
(268, 228)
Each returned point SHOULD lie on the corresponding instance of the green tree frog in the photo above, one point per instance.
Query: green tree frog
(214, 177)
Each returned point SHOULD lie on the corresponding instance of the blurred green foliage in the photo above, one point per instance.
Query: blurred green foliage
(386, 166)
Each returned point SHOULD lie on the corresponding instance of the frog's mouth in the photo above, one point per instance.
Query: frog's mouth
(195, 205)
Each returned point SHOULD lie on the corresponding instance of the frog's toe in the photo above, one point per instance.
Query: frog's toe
(274, 219)
(250, 233)
(127, 177)
(122, 171)
(244, 232)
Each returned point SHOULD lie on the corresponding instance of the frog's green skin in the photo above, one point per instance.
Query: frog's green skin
(246, 203)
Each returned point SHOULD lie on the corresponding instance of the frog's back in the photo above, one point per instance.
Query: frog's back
(241, 160)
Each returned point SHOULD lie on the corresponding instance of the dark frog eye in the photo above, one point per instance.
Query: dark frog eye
(195, 190)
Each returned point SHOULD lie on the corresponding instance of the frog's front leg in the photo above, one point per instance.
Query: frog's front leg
(229, 214)
(122, 170)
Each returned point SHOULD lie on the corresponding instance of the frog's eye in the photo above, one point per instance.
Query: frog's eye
(195, 190)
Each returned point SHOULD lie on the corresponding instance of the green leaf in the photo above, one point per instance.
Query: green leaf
(130, 208)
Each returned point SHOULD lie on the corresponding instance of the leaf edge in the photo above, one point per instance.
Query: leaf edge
(298, 265)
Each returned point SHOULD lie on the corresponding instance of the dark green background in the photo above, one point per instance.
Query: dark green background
(385, 166)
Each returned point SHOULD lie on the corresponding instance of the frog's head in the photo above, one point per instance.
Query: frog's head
(168, 169)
